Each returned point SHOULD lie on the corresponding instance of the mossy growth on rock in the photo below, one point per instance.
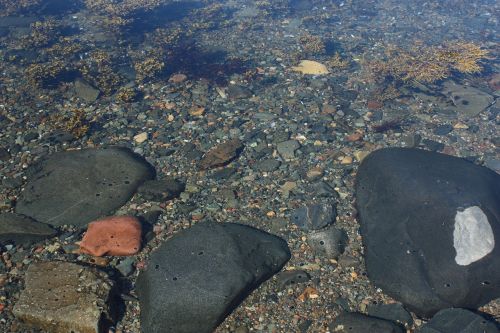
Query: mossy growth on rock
(428, 64)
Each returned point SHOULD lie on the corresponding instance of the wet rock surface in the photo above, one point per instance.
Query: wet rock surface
(114, 235)
(458, 321)
(314, 216)
(429, 222)
(195, 279)
(63, 297)
(360, 323)
(221, 154)
(228, 74)
(76, 187)
(19, 229)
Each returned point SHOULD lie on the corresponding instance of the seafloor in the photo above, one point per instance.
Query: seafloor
(240, 83)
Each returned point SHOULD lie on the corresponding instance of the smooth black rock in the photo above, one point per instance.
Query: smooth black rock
(428, 223)
(393, 312)
(290, 278)
(4, 154)
(353, 322)
(20, 229)
(196, 278)
(76, 187)
(161, 190)
(314, 216)
(458, 321)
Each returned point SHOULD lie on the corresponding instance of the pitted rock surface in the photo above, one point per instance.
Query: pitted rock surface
(197, 277)
(76, 187)
(62, 297)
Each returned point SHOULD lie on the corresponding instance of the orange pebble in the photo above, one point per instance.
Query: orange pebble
(115, 236)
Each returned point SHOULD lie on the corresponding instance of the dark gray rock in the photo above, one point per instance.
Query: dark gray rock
(196, 278)
(76, 187)
(287, 148)
(314, 216)
(267, 165)
(428, 223)
(235, 91)
(20, 229)
(290, 278)
(352, 322)
(433, 145)
(126, 266)
(323, 190)
(85, 91)
(329, 242)
(4, 154)
(458, 321)
(443, 129)
(161, 190)
(393, 312)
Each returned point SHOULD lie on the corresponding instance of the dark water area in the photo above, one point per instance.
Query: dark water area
(291, 95)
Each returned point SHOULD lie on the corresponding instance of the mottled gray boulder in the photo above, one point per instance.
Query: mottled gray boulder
(353, 322)
(21, 229)
(62, 297)
(196, 278)
(431, 229)
(76, 187)
(458, 321)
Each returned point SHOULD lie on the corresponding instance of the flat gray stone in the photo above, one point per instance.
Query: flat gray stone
(467, 101)
(79, 186)
(161, 190)
(62, 297)
(287, 148)
(85, 91)
(19, 229)
(196, 278)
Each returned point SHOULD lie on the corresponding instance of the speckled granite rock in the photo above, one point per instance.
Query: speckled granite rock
(61, 297)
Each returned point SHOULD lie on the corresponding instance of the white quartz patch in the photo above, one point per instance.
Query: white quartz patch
(472, 237)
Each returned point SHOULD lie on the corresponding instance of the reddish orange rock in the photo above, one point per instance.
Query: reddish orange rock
(177, 78)
(374, 105)
(115, 236)
(354, 137)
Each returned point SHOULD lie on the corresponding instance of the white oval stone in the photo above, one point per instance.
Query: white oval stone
(472, 237)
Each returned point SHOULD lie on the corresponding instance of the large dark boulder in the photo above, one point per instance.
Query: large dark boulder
(429, 223)
(458, 321)
(19, 229)
(76, 187)
(195, 279)
(353, 322)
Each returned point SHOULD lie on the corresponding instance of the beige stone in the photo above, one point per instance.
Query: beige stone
(61, 297)
(311, 67)
(141, 137)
